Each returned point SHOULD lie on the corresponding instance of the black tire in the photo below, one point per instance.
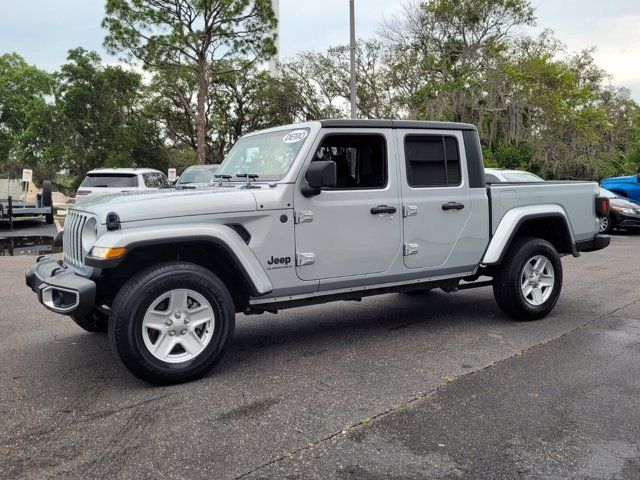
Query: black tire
(47, 200)
(506, 283)
(47, 189)
(132, 302)
(95, 322)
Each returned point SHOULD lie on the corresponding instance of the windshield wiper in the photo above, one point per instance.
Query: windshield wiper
(249, 177)
(221, 177)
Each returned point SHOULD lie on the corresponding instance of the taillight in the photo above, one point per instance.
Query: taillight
(602, 207)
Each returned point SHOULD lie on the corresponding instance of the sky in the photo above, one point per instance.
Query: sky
(43, 31)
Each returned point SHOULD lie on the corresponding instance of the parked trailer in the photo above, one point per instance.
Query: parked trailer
(12, 209)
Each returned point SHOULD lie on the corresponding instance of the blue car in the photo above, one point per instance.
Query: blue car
(627, 187)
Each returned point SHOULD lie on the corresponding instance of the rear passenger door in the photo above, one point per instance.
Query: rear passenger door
(435, 195)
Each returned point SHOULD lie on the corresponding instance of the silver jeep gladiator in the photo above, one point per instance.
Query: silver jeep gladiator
(310, 213)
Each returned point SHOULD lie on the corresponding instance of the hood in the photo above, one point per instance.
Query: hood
(166, 203)
(611, 180)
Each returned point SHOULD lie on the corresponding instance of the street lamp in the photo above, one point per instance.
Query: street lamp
(275, 60)
(352, 16)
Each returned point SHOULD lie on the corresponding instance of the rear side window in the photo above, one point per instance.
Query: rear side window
(432, 160)
(110, 180)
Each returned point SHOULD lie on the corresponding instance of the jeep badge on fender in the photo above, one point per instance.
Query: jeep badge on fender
(281, 260)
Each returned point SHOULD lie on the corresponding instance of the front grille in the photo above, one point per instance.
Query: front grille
(72, 239)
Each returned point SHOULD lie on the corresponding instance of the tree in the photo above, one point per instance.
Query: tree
(96, 120)
(324, 80)
(452, 43)
(23, 93)
(189, 43)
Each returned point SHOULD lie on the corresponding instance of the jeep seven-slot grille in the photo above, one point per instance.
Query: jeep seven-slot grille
(72, 238)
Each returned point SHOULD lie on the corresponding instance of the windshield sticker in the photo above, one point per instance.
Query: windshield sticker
(295, 136)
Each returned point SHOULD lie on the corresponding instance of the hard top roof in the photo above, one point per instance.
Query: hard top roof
(123, 170)
(408, 124)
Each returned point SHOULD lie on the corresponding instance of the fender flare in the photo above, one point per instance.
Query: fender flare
(514, 219)
(216, 234)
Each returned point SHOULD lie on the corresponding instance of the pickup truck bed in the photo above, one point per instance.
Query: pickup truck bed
(510, 203)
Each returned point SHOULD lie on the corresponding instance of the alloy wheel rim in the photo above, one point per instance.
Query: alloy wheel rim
(537, 280)
(604, 224)
(178, 326)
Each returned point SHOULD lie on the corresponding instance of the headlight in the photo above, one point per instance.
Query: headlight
(107, 252)
(624, 210)
(89, 234)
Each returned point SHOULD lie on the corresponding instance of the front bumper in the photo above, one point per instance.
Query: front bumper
(626, 220)
(598, 242)
(60, 289)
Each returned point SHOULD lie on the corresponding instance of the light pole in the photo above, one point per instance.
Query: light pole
(275, 60)
(352, 19)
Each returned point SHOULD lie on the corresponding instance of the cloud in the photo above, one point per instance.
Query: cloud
(44, 30)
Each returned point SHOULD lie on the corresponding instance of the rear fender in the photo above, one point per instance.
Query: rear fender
(517, 217)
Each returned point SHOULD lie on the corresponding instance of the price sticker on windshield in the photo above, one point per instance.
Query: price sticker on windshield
(295, 136)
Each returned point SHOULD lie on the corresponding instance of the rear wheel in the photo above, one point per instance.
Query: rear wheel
(172, 323)
(529, 281)
(47, 200)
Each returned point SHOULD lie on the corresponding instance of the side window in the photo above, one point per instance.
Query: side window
(162, 180)
(155, 180)
(148, 182)
(361, 160)
(432, 160)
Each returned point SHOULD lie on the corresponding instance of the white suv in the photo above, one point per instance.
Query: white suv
(115, 180)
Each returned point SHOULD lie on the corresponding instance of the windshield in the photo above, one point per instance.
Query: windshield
(607, 193)
(110, 180)
(268, 155)
(521, 177)
(198, 174)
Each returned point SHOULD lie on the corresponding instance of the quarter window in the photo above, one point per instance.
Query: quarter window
(432, 160)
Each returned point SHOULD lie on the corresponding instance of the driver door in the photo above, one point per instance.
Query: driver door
(354, 228)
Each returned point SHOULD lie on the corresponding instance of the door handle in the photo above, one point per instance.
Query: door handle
(452, 206)
(382, 209)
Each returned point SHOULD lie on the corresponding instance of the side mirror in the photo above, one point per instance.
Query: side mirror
(638, 178)
(320, 174)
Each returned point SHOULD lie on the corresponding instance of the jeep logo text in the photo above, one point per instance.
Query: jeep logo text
(279, 261)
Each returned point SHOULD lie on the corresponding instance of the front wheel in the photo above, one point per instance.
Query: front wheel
(529, 281)
(172, 323)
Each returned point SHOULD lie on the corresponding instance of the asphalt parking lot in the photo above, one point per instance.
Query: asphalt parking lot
(393, 387)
